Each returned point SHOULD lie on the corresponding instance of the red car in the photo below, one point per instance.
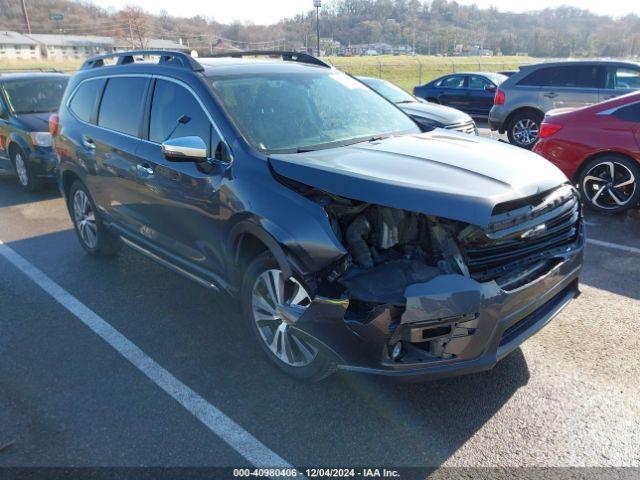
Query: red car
(598, 148)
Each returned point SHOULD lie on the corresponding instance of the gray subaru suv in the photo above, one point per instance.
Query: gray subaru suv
(523, 99)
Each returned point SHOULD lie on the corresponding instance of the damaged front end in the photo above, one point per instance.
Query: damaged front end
(420, 296)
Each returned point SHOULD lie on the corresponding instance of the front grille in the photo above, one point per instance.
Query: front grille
(466, 127)
(524, 237)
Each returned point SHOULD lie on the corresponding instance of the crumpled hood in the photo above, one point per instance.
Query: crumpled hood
(35, 122)
(439, 113)
(440, 173)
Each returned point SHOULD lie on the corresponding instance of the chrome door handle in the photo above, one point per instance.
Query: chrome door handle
(144, 170)
(88, 142)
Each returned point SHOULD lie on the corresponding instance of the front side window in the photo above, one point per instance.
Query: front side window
(122, 104)
(175, 112)
(85, 99)
(287, 113)
(627, 79)
(35, 95)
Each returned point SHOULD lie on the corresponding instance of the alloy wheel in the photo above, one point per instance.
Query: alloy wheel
(609, 185)
(21, 170)
(526, 131)
(277, 303)
(85, 219)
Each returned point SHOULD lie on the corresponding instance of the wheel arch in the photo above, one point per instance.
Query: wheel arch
(68, 178)
(519, 110)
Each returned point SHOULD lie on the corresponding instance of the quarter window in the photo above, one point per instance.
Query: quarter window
(122, 104)
(175, 112)
(84, 101)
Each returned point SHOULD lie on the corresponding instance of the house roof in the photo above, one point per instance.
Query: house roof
(15, 38)
(72, 40)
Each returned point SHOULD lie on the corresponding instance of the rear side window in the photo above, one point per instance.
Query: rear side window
(175, 112)
(84, 101)
(122, 104)
(573, 76)
(630, 113)
(478, 83)
(452, 82)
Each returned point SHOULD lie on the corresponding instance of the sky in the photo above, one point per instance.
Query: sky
(266, 12)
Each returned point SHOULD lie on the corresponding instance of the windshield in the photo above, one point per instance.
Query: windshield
(35, 96)
(389, 90)
(288, 113)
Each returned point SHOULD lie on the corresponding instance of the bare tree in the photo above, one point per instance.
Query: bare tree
(135, 22)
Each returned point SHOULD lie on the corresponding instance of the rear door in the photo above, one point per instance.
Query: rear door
(620, 80)
(571, 86)
(115, 141)
(451, 91)
(182, 199)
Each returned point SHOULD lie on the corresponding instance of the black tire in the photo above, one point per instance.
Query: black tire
(607, 194)
(24, 171)
(106, 243)
(319, 367)
(523, 128)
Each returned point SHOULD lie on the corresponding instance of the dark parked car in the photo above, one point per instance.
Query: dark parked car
(599, 148)
(26, 102)
(426, 114)
(521, 101)
(351, 239)
(470, 92)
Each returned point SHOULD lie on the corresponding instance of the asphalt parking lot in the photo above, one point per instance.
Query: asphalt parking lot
(181, 382)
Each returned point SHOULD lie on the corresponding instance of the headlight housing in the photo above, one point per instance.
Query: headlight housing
(41, 139)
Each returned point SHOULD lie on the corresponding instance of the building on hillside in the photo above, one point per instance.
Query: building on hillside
(72, 47)
(123, 44)
(15, 46)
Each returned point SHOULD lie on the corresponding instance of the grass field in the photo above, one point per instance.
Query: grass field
(409, 71)
(405, 71)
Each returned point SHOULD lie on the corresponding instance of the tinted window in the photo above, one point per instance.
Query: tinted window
(175, 112)
(452, 82)
(477, 82)
(630, 113)
(574, 76)
(84, 100)
(122, 104)
(35, 95)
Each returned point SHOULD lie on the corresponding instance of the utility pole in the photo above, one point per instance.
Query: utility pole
(317, 4)
(27, 26)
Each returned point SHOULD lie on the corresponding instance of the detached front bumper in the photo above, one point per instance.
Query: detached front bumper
(473, 325)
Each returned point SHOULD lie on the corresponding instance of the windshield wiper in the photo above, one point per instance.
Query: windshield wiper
(305, 150)
(405, 101)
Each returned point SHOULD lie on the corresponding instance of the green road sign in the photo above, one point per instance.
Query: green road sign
(56, 16)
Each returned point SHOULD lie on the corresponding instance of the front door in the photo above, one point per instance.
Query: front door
(619, 81)
(182, 199)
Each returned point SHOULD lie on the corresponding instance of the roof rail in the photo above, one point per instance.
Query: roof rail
(171, 58)
(285, 55)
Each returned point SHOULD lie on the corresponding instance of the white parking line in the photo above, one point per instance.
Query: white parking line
(224, 427)
(617, 246)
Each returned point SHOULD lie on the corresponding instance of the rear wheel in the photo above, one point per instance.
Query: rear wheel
(272, 304)
(94, 236)
(24, 172)
(609, 184)
(523, 129)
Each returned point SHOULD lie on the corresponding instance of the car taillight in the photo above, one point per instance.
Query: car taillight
(499, 98)
(548, 129)
(54, 125)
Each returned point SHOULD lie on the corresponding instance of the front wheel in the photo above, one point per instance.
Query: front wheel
(24, 172)
(523, 129)
(94, 236)
(272, 304)
(609, 184)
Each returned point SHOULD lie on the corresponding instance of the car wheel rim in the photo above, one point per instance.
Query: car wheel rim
(85, 219)
(609, 185)
(525, 131)
(277, 303)
(21, 170)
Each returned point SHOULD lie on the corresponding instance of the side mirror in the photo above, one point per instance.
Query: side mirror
(185, 149)
(490, 88)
